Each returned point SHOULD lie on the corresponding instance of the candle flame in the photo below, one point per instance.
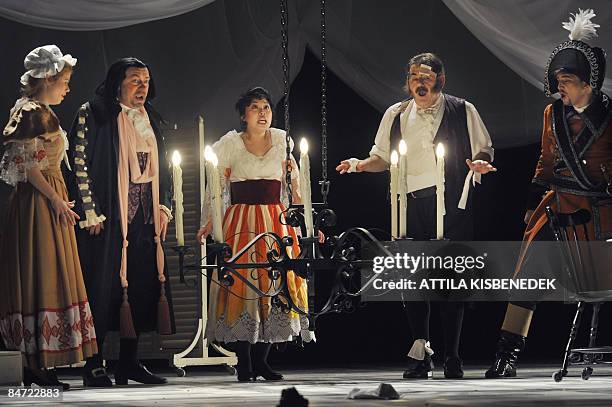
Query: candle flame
(304, 146)
(208, 152)
(176, 158)
(210, 156)
(394, 157)
(403, 148)
(440, 150)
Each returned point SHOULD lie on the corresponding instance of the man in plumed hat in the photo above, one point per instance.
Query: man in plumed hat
(574, 169)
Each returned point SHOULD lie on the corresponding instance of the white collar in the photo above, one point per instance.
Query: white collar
(581, 109)
(433, 109)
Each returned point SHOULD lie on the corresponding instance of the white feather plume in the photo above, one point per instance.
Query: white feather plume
(580, 26)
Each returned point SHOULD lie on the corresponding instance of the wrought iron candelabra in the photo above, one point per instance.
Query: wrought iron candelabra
(338, 255)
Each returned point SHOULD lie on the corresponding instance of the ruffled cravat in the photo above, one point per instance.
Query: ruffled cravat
(140, 120)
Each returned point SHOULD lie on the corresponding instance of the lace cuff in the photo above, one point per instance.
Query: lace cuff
(167, 211)
(19, 157)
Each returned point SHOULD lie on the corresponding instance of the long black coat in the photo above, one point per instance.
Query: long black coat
(101, 255)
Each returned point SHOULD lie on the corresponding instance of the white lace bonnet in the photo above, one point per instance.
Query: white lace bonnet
(45, 61)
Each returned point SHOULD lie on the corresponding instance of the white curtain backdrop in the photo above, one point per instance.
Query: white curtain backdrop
(369, 47)
(82, 15)
(523, 33)
(202, 60)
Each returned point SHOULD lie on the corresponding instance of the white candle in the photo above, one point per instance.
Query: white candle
(201, 130)
(177, 178)
(393, 170)
(202, 162)
(440, 209)
(403, 171)
(305, 187)
(203, 252)
(215, 190)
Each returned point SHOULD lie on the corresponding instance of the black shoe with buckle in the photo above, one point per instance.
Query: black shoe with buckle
(419, 369)
(138, 373)
(453, 367)
(96, 377)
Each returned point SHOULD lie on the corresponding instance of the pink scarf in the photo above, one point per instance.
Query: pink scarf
(130, 143)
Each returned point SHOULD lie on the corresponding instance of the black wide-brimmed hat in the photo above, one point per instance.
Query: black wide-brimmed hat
(576, 56)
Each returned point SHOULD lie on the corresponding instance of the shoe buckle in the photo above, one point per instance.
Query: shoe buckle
(98, 372)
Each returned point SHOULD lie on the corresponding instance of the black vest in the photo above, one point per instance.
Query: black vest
(453, 133)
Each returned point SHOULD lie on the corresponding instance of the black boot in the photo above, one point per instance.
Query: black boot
(260, 362)
(94, 374)
(138, 373)
(453, 367)
(129, 368)
(244, 369)
(419, 369)
(508, 349)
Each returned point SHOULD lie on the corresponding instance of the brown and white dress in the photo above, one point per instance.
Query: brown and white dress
(44, 310)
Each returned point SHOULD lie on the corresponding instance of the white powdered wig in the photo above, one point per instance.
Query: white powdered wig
(580, 26)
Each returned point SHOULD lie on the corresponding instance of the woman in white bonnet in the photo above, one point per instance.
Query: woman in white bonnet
(44, 311)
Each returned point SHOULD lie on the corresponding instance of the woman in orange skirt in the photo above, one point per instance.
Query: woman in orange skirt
(44, 311)
(252, 164)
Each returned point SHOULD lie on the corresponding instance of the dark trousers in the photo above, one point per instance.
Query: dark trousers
(422, 226)
(143, 291)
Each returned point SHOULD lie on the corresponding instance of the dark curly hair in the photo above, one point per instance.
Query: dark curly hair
(256, 93)
(109, 89)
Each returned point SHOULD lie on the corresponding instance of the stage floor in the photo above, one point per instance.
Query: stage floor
(329, 387)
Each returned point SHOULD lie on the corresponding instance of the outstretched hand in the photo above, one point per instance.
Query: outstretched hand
(343, 167)
(480, 166)
(349, 165)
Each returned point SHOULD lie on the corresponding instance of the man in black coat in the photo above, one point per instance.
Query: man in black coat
(122, 186)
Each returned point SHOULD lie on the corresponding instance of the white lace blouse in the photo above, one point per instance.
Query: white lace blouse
(236, 164)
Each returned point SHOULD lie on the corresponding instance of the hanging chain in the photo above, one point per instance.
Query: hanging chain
(286, 78)
(324, 181)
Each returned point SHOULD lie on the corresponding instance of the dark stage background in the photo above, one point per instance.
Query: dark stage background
(378, 332)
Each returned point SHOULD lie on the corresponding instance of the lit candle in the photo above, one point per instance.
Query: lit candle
(305, 187)
(201, 130)
(403, 174)
(177, 177)
(440, 209)
(393, 170)
(215, 190)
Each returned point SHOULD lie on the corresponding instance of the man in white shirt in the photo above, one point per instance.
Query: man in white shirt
(428, 118)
